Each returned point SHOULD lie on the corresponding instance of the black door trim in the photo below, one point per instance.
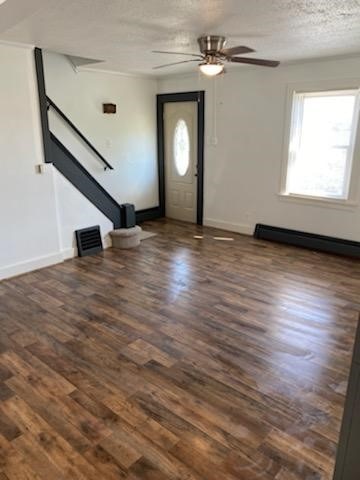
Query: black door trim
(198, 97)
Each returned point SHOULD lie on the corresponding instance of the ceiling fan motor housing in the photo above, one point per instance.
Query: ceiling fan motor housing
(211, 44)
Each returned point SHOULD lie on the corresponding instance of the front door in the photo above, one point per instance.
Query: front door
(180, 135)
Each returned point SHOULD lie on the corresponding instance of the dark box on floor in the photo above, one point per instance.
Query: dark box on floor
(128, 217)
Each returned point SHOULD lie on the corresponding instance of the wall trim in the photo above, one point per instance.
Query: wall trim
(72, 252)
(313, 86)
(319, 202)
(284, 63)
(114, 72)
(193, 96)
(68, 253)
(44, 261)
(231, 227)
(27, 46)
(30, 265)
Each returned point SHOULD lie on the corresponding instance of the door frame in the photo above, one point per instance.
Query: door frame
(161, 99)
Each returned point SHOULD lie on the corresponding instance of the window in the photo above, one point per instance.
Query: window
(322, 137)
(181, 147)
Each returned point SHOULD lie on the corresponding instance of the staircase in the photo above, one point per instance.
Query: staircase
(72, 169)
(65, 162)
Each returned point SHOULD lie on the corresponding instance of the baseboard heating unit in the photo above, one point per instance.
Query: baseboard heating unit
(308, 240)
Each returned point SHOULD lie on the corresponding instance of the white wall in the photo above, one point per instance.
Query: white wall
(38, 212)
(29, 235)
(127, 139)
(75, 212)
(242, 172)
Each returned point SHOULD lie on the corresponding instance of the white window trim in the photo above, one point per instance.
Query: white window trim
(352, 199)
(319, 201)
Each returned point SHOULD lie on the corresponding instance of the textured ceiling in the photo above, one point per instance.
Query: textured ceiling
(122, 33)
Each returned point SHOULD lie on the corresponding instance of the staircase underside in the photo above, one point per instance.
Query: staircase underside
(67, 164)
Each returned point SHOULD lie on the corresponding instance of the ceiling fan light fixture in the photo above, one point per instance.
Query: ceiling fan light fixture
(211, 69)
(213, 55)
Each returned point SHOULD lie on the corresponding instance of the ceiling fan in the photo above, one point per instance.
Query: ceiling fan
(213, 54)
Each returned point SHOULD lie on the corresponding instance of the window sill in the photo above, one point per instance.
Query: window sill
(319, 201)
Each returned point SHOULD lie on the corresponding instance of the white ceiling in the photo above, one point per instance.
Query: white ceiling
(123, 33)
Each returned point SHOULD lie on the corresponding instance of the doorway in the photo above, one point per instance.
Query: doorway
(180, 122)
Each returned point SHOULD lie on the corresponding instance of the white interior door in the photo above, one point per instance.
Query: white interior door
(180, 131)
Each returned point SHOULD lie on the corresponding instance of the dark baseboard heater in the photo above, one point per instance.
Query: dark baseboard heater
(148, 214)
(308, 240)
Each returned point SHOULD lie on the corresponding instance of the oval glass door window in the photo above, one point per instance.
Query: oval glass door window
(181, 147)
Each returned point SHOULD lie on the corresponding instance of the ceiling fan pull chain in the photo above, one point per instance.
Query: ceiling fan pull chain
(214, 139)
(199, 84)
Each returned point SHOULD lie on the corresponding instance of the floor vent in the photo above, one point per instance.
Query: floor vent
(308, 240)
(89, 241)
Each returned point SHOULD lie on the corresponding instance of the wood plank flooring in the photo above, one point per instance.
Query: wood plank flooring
(184, 359)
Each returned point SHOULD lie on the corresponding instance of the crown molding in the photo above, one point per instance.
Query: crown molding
(331, 58)
(26, 46)
(246, 68)
(114, 72)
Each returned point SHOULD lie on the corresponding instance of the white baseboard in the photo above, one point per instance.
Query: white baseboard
(73, 252)
(68, 253)
(231, 227)
(30, 265)
(42, 262)
(107, 241)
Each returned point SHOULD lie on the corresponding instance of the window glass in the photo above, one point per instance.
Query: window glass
(321, 144)
(181, 147)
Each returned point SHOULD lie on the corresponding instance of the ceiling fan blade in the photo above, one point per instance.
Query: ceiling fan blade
(236, 51)
(179, 53)
(254, 61)
(174, 63)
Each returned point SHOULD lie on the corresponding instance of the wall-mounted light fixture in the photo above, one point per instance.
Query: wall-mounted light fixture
(109, 108)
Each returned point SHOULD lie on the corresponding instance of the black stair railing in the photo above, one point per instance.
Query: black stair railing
(53, 105)
(71, 168)
(65, 162)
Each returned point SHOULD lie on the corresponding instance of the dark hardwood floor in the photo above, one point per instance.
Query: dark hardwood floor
(183, 359)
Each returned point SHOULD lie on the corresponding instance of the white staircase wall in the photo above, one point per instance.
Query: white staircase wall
(39, 212)
(126, 139)
(75, 212)
(28, 222)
